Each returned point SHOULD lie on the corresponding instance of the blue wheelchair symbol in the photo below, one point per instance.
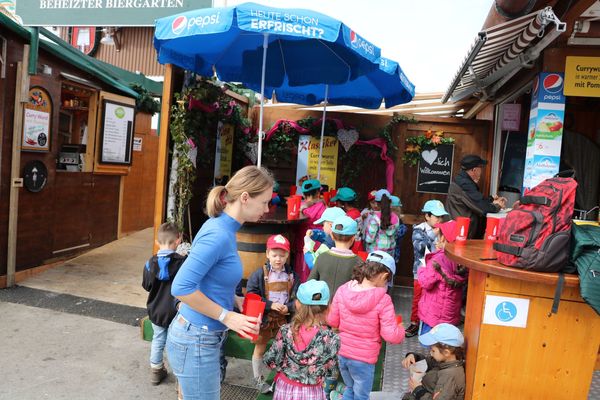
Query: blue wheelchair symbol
(506, 311)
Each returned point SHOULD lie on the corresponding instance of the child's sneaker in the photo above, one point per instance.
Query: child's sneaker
(335, 395)
(157, 375)
(412, 330)
(262, 386)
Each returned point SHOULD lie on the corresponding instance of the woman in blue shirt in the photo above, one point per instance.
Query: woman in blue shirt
(206, 284)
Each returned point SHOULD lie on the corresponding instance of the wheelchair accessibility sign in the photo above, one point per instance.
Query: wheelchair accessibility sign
(506, 311)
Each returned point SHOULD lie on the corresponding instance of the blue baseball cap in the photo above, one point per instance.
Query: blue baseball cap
(311, 184)
(347, 226)
(434, 207)
(307, 291)
(380, 193)
(330, 214)
(396, 201)
(344, 194)
(384, 258)
(443, 333)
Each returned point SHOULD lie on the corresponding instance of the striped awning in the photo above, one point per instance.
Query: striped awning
(498, 50)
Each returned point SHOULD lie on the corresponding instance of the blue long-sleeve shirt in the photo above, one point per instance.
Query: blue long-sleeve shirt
(213, 267)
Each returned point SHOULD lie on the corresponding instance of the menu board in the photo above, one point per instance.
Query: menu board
(36, 121)
(435, 169)
(117, 133)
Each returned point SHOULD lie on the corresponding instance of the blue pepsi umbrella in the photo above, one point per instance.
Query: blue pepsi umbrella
(259, 45)
(387, 82)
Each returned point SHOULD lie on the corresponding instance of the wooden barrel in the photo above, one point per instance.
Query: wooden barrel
(252, 244)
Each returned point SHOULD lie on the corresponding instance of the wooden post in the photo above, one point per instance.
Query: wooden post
(16, 182)
(162, 168)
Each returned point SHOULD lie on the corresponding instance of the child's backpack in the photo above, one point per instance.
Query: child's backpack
(585, 254)
(536, 232)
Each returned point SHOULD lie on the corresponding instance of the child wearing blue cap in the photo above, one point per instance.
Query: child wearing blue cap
(381, 226)
(319, 241)
(423, 238)
(364, 314)
(445, 376)
(335, 266)
(304, 351)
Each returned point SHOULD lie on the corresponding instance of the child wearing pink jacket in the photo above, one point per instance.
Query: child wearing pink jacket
(442, 282)
(364, 313)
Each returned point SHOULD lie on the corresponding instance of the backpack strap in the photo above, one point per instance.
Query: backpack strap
(508, 249)
(558, 292)
(539, 200)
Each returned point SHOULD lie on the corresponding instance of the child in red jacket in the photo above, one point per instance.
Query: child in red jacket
(364, 313)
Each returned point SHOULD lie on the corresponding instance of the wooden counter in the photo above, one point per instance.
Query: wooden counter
(552, 357)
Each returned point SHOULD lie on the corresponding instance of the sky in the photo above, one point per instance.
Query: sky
(429, 38)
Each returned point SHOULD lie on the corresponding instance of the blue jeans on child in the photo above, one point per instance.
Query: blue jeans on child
(159, 338)
(358, 377)
(194, 355)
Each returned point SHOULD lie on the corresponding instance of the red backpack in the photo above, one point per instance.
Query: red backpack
(535, 234)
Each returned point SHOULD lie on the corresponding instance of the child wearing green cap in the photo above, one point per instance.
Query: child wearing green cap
(305, 351)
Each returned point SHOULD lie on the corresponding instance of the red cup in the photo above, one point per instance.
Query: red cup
(293, 204)
(363, 255)
(399, 319)
(492, 227)
(254, 308)
(327, 197)
(250, 296)
(293, 189)
(462, 229)
(333, 192)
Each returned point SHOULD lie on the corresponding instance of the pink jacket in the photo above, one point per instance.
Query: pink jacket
(439, 301)
(363, 318)
(313, 213)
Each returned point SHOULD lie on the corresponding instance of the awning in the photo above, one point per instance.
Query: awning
(500, 51)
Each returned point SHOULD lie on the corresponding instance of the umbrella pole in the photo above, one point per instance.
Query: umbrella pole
(322, 131)
(262, 97)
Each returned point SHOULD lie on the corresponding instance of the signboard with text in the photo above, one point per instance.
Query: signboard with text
(435, 169)
(223, 153)
(582, 76)
(308, 159)
(102, 12)
(117, 133)
(544, 135)
(37, 115)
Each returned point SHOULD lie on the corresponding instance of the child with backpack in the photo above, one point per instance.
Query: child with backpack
(396, 207)
(445, 376)
(159, 272)
(423, 238)
(442, 283)
(319, 241)
(276, 284)
(381, 226)
(364, 313)
(305, 351)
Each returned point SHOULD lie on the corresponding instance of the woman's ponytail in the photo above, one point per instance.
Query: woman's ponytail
(215, 202)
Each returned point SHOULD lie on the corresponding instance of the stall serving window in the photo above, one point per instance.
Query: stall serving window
(77, 114)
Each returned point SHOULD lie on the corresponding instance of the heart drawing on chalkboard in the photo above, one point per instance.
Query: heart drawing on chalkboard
(429, 156)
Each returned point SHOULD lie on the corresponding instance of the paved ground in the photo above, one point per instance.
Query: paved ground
(72, 333)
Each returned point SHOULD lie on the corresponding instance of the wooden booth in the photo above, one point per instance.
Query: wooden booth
(516, 347)
(67, 140)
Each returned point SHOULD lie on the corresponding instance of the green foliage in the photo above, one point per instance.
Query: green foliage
(145, 102)
(416, 144)
(194, 119)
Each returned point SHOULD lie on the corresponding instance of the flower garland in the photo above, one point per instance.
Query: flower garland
(416, 144)
(194, 118)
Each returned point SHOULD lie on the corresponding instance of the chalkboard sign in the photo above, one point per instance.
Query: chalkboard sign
(435, 169)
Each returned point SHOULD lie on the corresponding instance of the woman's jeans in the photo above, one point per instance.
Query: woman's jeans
(159, 338)
(194, 355)
(358, 377)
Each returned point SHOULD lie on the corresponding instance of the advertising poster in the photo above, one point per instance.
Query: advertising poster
(544, 135)
(117, 133)
(582, 76)
(36, 121)
(308, 160)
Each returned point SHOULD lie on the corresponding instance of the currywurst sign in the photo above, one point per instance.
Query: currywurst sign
(102, 12)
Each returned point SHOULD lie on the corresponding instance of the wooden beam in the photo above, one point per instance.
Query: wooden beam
(21, 94)
(162, 167)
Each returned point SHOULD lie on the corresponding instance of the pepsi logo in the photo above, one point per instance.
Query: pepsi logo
(553, 83)
(179, 24)
(353, 37)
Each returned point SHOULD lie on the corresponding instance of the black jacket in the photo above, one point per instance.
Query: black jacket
(256, 284)
(485, 204)
(161, 304)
